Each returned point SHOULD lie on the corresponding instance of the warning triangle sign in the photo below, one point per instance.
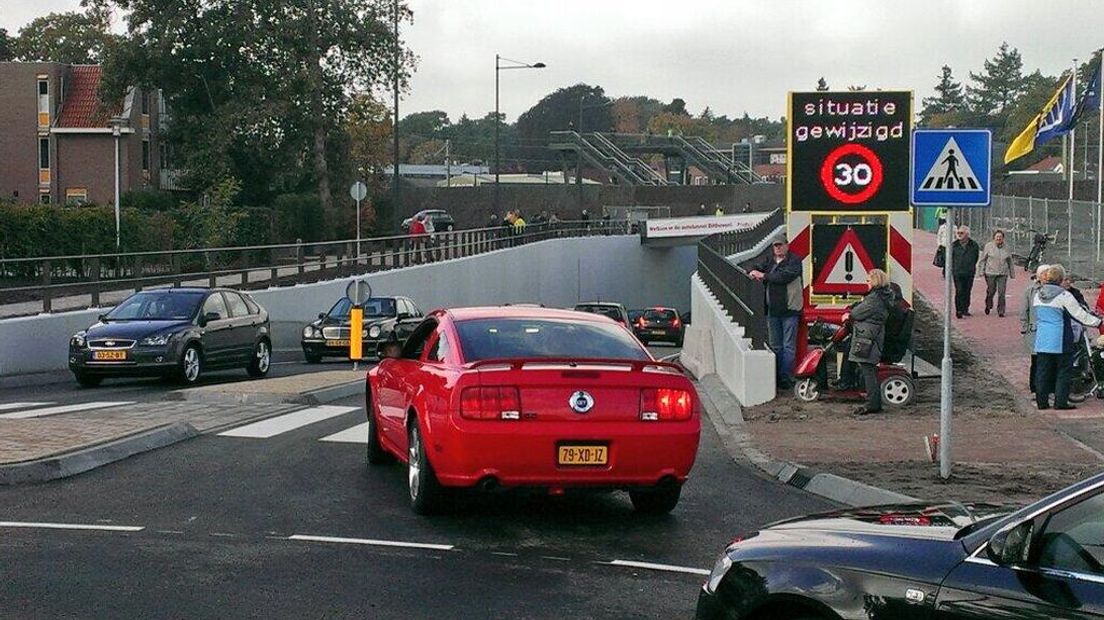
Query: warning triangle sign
(846, 268)
(951, 172)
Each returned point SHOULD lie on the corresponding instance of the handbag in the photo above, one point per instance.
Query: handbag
(862, 347)
(940, 259)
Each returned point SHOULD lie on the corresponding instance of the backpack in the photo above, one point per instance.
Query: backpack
(898, 332)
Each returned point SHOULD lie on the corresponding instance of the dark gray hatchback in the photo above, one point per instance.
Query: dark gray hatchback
(179, 333)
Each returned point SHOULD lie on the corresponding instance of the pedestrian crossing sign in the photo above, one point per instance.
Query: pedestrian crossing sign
(951, 167)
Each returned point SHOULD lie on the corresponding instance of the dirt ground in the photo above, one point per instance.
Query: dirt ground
(980, 397)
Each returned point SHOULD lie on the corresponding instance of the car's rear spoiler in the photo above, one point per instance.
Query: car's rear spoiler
(517, 363)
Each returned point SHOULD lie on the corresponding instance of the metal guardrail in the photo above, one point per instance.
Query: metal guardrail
(738, 294)
(47, 279)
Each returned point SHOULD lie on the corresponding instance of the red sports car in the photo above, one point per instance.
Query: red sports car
(532, 397)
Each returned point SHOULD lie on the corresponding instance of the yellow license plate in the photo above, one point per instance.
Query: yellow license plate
(113, 356)
(337, 343)
(582, 455)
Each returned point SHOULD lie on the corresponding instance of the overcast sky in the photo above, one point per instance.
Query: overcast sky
(731, 55)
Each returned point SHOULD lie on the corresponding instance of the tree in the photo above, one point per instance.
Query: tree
(822, 85)
(559, 111)
(428, 152)
(260, 90)
(6, 52)
(368, 125)
(1000, 85)
(1038, 89)
(73, 38)
(677, 106)
(683, 125)
(856, 88)
(425, 124)
(948, 98)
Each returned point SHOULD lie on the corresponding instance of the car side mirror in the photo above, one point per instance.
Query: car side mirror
(321, 315)
(102, 318)
(206, 318)
(1009, 547)
(403, 316)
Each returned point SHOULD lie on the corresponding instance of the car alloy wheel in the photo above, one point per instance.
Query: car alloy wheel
(425, 491)
(261, 360)
(414, 472)
(191, 364)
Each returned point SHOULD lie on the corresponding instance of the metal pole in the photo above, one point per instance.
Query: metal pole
(498, 121)
(1072, 159)
(1099, 148)
(117, 228)
(946, 378)
(358, 227)
(395, 151)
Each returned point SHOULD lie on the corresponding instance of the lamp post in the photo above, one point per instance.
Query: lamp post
(117, 125)
(516, 64)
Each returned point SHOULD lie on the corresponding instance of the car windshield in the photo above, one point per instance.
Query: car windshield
(609, 311)
(659, 315)
(373, 306)
(483, 339)
(158, 306)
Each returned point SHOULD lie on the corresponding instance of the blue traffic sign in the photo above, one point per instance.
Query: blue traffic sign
(951, 167)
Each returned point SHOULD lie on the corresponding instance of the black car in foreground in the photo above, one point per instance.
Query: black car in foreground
(178, 332)
(328, 336)
(662, 324)
(917, 561)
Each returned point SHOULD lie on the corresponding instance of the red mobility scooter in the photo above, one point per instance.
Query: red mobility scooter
(826, 339)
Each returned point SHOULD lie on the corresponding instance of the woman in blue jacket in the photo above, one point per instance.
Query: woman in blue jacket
(1055, 309)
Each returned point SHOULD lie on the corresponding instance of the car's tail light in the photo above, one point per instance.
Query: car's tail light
(676, 322)
(665, 405)
(490, 403)
(640, 321)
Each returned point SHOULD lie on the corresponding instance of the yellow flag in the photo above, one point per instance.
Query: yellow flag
(1024, 143)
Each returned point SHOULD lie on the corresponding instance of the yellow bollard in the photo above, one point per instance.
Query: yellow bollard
(356, 333)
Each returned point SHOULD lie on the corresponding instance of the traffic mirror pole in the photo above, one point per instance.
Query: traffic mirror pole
(945, 379)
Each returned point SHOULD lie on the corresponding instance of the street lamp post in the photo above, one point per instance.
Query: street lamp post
(117, 124)
(498, 119)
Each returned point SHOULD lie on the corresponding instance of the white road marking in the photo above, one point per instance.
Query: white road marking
(287, 422)
(368, 541)
(664, 567)
(38, 413)
(73, 526)
(10, 406)
(356, 434)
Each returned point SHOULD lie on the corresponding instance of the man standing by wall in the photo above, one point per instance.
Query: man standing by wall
(965, 259)
(780, 273)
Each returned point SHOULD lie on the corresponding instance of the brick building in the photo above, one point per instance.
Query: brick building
(56, 139)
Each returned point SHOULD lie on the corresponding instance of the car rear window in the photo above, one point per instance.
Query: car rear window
(609, 311)
(659, 315)
(485, 339)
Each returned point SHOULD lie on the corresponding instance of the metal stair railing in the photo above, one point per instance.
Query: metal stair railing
(649, 175)
(570, 140)
(737, 168)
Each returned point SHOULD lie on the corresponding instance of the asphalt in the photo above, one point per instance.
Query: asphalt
(217, 515)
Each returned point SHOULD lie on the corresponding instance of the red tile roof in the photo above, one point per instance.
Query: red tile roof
(81, 107)
(770, 170)
(1047, 164)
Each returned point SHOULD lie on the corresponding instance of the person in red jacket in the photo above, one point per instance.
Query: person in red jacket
(417, 238)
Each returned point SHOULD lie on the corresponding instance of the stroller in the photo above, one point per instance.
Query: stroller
(1088, 369)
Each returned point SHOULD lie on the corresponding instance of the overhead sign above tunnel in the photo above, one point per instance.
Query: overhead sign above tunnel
(849, 151)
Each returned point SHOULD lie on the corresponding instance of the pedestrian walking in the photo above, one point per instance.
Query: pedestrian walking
(943, 239)
(1027, 321)
(719, 211)
(995, 264)
(964, 255)
(430, 239)
(868, 336)
(701, 210)
(417, 237)
(747, 207)
(1055, 310)
(780, 273)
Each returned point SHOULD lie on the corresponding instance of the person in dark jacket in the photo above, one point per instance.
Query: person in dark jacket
(780, 273)
(964, 255)
(868, 321)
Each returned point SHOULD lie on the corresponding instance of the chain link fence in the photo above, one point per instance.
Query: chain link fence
(1071, 227)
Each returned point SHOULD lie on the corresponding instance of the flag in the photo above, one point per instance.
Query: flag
(1048, 124)
(1090, 99)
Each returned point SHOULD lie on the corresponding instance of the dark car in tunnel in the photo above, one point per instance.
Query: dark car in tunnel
(178, 332)
(328, 336)
(659, 324)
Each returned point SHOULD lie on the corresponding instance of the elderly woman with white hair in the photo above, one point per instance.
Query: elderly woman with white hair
(1027, 320)
(1055, 311)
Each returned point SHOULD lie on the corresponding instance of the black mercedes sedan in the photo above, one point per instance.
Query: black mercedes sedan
(178, 332)
(383, 316)
(946, 561)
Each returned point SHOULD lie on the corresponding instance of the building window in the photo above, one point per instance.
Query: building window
(145, 103)
(145, 156)
(43, 161)
(76, 196)
(43, 102)
(44, 198)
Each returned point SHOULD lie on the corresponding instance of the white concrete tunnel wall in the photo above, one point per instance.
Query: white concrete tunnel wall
(556, 273)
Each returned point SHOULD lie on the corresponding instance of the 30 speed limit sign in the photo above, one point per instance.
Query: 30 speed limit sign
(851, 174)
(849, 151)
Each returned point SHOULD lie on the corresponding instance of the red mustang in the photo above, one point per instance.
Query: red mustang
(532, 397)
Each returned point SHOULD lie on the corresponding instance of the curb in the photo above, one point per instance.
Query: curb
(725, 413)
(72, 463)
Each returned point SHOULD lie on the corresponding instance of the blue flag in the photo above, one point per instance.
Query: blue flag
(1090, 98)
(1056, 119)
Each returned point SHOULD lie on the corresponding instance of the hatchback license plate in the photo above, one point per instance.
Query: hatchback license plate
(112, 356)
(583, 455)
(659, 332)
(337, 343)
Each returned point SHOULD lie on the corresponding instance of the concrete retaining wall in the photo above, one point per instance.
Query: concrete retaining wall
(715, 344)
(557, 273)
